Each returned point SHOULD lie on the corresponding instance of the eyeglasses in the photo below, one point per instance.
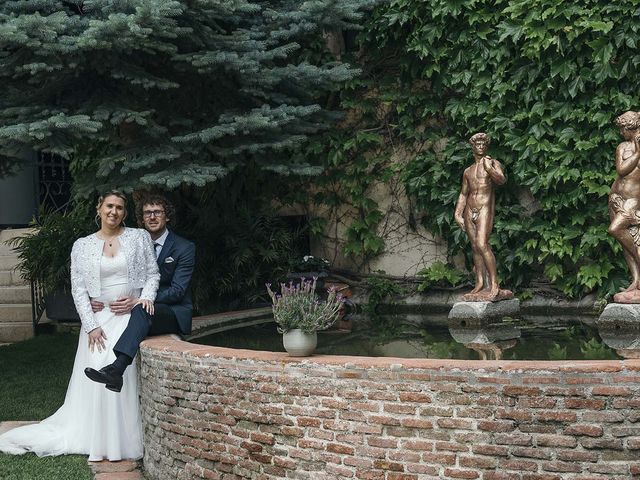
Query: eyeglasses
(152, 213)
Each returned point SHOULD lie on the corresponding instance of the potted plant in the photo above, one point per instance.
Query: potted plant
(44, 258)
(300, 314)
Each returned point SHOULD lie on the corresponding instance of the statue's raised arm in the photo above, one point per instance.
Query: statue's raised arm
(624, 202)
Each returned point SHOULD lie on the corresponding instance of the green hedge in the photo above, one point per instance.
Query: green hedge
(545, 79)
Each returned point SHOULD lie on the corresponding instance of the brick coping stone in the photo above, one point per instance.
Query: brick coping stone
(173, 346)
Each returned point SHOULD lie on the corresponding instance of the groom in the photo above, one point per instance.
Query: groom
(172, 308)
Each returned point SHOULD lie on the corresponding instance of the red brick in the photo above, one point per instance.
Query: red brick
(262, 438)
(338, 470)
(519, 465)
(561, 467)
(609, 468)
(537, 428)
(369, 475)
(477, 462)
(537, 402)
(456, 423)
(479, 389)
(451, 447)
(577, 456)
(386, 465)
(439, 458)
(588, 430)
(251, 447)
(399, 408)
(401, 476)
(602, 443)
(515, 414)
(500, 476)
(383, 442)
(423, 469)
(540, 476)
(556, 441)
(342, 449)
(362, 463)
(556, 416)
(584, 403)
(309, 422)
(496, 426)
(491, 450)
(611, 391)
(603, 417)
(384, 420)
(540, 380)
(516, 391)
(414, 397)
(457, 473)
(473, 412)
(416, 423)
(531, 452)
(404, 457)
(418, 445)
(513, 439)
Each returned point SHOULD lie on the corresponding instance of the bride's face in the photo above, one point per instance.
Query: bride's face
(112, 211)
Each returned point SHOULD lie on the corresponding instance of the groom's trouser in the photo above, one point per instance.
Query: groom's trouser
(142, 325)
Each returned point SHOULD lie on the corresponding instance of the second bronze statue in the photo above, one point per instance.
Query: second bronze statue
(474, 213)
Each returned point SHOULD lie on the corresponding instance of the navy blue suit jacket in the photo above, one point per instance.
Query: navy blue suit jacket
(176, 262)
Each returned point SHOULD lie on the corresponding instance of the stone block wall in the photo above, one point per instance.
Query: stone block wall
(219, 413)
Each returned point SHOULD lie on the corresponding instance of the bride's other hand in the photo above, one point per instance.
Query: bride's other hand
(96, 306)
(147, 305)
(123, 305)
(96, 339)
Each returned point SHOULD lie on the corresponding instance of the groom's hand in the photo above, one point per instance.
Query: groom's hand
(123, 305)
(96, 306)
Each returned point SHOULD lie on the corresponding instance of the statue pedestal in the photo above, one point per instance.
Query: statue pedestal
(484, 310)
(619, 328)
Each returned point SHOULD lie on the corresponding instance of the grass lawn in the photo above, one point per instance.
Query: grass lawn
(34, 375)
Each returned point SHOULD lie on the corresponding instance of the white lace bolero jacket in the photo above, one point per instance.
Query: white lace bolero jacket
(142, 270)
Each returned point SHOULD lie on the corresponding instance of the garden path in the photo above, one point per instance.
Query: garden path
(123, 470)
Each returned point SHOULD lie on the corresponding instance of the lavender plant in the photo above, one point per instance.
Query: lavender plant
(298, 306)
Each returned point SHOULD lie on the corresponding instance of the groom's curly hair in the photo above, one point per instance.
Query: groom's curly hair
(155, 199)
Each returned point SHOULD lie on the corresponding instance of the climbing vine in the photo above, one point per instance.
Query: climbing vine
(545, 79)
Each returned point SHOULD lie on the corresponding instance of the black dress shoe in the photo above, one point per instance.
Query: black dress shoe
(106, 375)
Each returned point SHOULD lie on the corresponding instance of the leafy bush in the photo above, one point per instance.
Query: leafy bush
(441, 275)
(44, 254)
(545, 80)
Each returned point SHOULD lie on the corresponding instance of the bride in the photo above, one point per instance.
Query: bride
(94, 420)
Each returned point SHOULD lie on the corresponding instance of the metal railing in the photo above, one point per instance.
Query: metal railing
(37, 303)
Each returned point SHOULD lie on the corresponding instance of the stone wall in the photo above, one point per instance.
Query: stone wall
(230, 414)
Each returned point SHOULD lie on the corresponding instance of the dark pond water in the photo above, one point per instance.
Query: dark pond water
(394, 336)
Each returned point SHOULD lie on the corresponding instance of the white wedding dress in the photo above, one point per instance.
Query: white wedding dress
(93, 420)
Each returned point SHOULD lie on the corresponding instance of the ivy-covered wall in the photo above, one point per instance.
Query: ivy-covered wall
(544, 78)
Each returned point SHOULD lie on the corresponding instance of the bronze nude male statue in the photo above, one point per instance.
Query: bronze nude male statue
(624, 202)
(474, 213)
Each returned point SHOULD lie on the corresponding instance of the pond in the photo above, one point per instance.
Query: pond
(406, 337)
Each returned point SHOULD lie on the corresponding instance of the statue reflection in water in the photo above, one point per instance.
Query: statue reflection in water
(490, 338)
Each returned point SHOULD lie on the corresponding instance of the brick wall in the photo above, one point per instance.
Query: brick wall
(218, 413)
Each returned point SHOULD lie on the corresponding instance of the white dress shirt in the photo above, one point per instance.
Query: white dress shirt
(159, 242)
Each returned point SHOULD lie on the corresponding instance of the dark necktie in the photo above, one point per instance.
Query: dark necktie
(155, 246)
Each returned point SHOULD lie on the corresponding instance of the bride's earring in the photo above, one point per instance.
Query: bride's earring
(97, 220)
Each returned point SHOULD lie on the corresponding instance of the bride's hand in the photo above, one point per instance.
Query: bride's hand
(147, 305)
(97, 338)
